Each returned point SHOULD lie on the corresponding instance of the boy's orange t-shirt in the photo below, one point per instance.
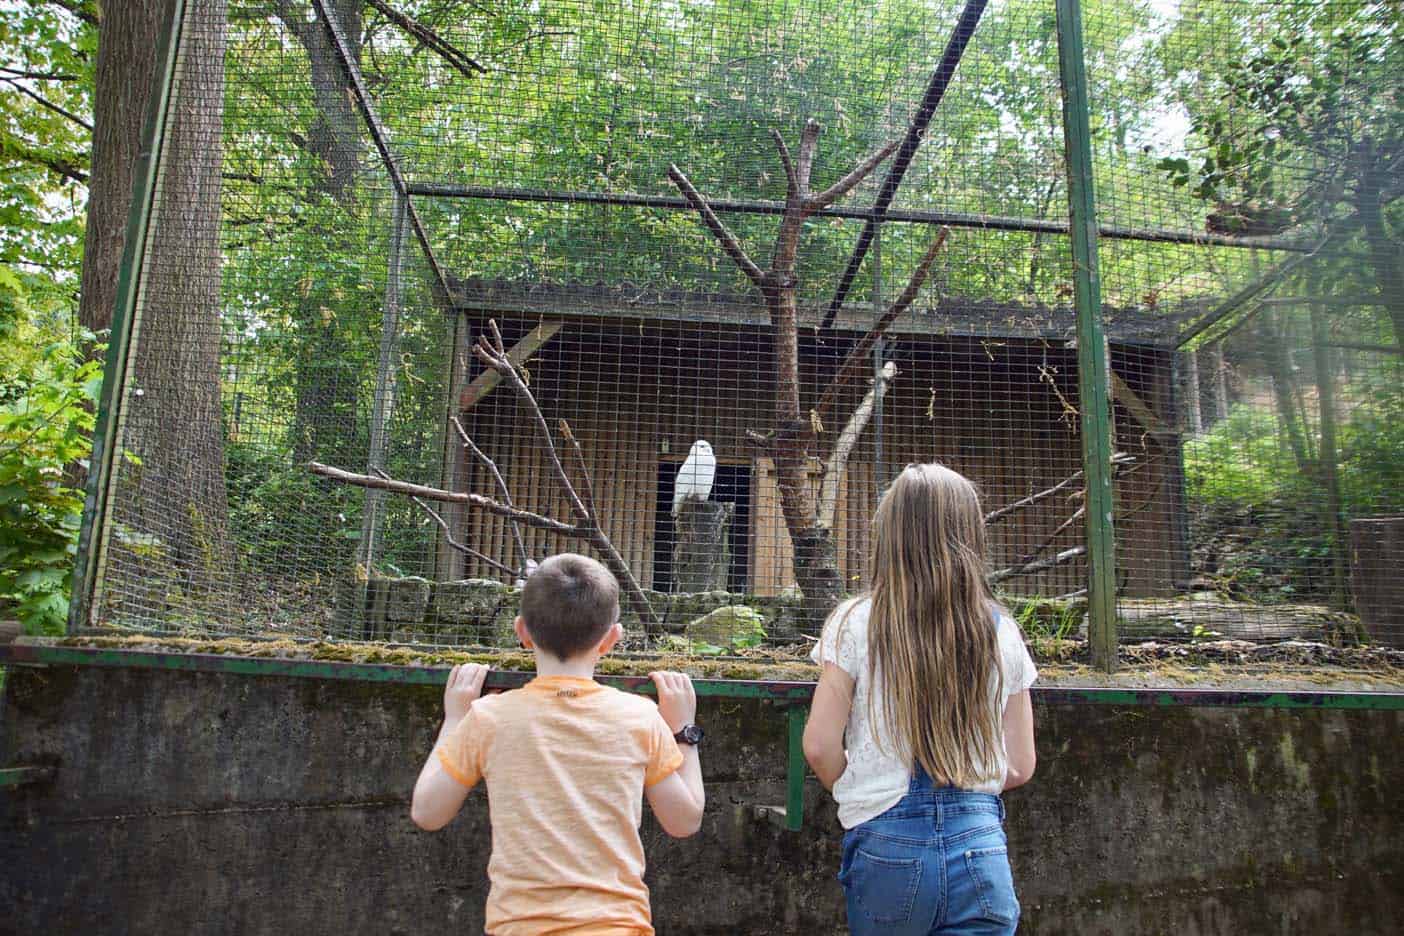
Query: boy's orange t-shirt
(566, 761)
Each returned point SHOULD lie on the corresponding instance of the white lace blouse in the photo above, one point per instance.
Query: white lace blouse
(876, 778)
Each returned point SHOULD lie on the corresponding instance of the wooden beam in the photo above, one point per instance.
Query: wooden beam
(1123, 394)
(484, 383)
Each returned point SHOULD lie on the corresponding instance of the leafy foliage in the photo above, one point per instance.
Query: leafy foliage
(45, 422)
(1262, 518)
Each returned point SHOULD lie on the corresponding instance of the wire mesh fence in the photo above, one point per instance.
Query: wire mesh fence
(432, 290)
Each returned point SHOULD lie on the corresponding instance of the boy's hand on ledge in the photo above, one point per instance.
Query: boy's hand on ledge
(677, 700)
(465, 685)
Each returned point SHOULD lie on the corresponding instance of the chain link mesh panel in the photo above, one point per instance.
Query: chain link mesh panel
(353, 195)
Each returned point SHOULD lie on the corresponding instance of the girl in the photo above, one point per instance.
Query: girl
(926, 679)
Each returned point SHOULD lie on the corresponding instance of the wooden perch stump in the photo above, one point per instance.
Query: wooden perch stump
(701, 545)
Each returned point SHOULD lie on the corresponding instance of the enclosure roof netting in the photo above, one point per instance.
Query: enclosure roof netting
(950, 316)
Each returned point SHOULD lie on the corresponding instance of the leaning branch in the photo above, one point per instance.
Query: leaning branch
(714, 224)
(843, 448)
(448, 533)
(853, 363)
(446, 497)
(493, 353)
(463, 63)
(842, 187)
(1029, 568)
(501, 486)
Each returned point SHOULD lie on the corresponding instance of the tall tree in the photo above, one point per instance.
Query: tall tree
(126, 67)
(174, 419)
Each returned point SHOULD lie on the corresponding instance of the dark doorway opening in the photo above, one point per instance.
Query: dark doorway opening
(732, 485)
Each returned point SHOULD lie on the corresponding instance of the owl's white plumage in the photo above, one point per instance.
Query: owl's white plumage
(696, 475)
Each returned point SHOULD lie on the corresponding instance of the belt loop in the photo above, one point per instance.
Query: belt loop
(1000, 800)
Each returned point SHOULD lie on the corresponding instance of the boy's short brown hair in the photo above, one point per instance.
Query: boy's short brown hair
(569, 603)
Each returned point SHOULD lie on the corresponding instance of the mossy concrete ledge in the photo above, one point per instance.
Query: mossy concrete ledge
(185, 801)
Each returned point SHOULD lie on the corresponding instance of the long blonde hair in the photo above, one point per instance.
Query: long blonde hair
(931, 629)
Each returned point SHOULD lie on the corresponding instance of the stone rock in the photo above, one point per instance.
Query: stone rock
(730, 626)
(479, 610)
(406, 599)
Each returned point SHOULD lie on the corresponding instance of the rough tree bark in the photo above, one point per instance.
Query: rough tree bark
(174, 415)
(701, 545)
(126, 67)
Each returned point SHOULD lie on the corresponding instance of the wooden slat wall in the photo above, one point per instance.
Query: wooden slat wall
(988, 410)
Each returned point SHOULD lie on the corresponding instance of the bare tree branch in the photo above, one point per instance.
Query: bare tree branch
(48, 105)
(996, 515)
(493, 353)
(448, 534)
(588, 496)
(501, 486)
(1029, 568)
(497, 359)
(792, 190)
(21, 151)
(460, 61)
(38, 75)
(1033, 554)
(1119, 460)
(447, 497)
(843, 448)
(856, 358)
(809, 143)
(714, 224)
(843, 186)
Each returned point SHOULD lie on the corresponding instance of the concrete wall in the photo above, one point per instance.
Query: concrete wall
(197, 803)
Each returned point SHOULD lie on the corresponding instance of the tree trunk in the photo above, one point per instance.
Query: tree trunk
(1279, 367)
(335, 133)
(1221, 402)
(1193, 409)
(174, 409)
(126, 67)
(326, 402)
(701, 545)
(1330, 475)
(1385, 254)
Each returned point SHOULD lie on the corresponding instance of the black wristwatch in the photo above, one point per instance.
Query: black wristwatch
(689, 734)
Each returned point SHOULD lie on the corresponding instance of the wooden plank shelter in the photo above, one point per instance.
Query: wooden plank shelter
(638, 389)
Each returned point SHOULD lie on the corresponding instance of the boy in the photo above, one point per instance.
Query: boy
(565, 760)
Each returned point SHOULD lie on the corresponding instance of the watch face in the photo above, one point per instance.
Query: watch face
(690, 734)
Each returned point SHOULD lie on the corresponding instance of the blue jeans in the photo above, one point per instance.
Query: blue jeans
(937, 862)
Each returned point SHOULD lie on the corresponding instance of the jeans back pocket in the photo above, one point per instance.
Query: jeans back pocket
(884, 889)
(994, 883)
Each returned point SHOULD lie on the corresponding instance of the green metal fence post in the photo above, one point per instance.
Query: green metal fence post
(795, 768)
(1091, 343)
(116, 369)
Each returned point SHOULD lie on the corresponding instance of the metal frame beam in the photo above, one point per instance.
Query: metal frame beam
(378, 135)
(916, 132)
(1093, 371)
(960, 219)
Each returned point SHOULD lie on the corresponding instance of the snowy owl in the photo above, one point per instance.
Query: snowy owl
(696, 474)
